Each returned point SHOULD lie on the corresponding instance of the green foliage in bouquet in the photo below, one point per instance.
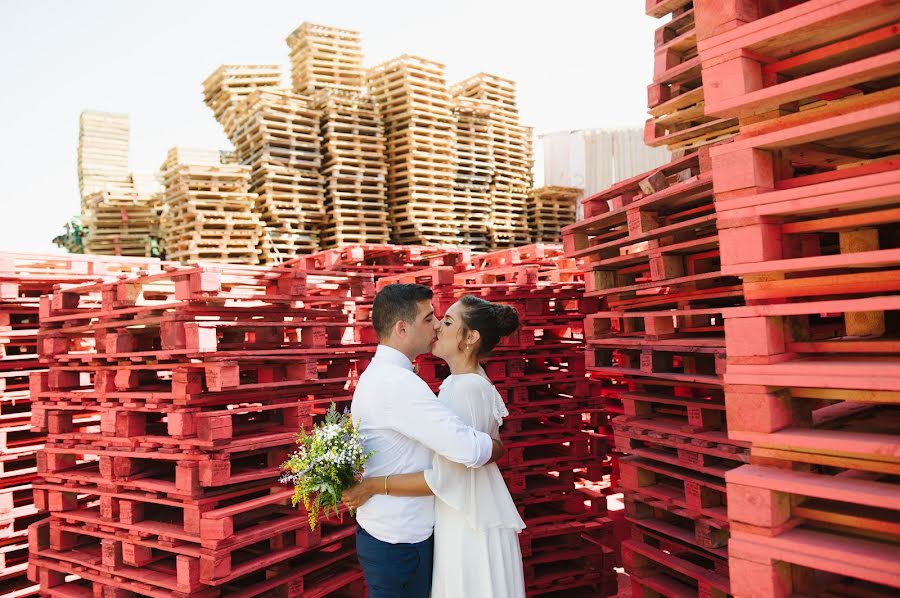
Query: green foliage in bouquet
(329, 460)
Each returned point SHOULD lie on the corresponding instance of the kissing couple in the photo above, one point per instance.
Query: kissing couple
(433, 512)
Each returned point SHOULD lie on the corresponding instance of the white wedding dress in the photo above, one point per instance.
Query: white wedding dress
(476, 543)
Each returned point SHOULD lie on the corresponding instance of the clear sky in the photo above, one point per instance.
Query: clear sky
(578, 64)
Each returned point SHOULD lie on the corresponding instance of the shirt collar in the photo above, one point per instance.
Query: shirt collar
(393, 356)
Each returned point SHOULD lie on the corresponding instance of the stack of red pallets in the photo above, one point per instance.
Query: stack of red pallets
(651, 253)
(677, 95)
(23, 279)
(556, 460)
(201, 376)
(807, 204)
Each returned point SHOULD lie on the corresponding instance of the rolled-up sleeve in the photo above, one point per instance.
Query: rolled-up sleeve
(419, 415)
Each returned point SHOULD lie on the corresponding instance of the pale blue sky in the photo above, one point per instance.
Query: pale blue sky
(578, 64)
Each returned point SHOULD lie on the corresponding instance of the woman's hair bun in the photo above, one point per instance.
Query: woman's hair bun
(507, 319)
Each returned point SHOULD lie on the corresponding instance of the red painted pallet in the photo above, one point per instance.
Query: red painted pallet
(825, 145)
(106, 566)
(677, 361)
(382, 260)
(438, 277)
(698, 323)
(813, 52)
(699, 493)
(848, 435)
(690, 409)
(709, 453)
(768, 501)
(664, 517)
(634, 189)
(212, 521)
(645, 562)
(809, 562)
(718, 16)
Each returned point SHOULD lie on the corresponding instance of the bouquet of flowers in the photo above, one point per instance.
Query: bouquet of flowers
(329, 460)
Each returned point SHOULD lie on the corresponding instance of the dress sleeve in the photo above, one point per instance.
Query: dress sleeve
(479, 493)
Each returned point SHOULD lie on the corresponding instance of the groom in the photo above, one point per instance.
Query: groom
(403, 422)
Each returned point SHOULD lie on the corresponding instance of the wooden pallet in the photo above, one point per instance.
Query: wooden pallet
(324, 57)
(672, 564)
(810, 562)
(834, 51)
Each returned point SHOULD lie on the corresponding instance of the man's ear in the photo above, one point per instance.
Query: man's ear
(401, 328)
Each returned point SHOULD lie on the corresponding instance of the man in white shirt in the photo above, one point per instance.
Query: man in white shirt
(402, 421)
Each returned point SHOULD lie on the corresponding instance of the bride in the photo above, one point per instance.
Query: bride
(476, 545)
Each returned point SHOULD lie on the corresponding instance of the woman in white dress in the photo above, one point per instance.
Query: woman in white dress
(476, 544)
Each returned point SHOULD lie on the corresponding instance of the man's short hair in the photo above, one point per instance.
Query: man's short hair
(397, 302)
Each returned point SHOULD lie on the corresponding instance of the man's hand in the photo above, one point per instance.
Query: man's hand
(497, 452)
(356, 495)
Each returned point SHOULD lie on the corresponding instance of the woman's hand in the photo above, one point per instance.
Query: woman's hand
(356, 495)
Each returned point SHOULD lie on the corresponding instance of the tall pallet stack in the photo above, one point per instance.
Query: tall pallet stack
(23, 279)
(658, 349)
(208, 211)
(552, 463)
(277, 137)
(201, 377)
(807, 205)
(102, 151)
(228, 85)
(415, 107)
(677, 96)
(473, 170)
(550, 209)
(326, 63)
(354, 169)
(511, 157)
(121, 221)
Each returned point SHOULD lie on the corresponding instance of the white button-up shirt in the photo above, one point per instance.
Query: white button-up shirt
(405, 424)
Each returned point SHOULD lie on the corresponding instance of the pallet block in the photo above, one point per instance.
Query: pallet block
(816, 51)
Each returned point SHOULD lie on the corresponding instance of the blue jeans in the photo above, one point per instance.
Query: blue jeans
(395, 570)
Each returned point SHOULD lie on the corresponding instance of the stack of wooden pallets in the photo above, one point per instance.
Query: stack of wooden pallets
(808, 212)
(658, 349)
(102, 151)
(418, 120)
(207, 211)
(325, 57)
(473, 170)
(120, 221)
(277, 138)
(511, 157)
(677, 95)
(550, 209)
(24, 278)
(354, 169)
(201, 377)
(554, 463)
(228, 85)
